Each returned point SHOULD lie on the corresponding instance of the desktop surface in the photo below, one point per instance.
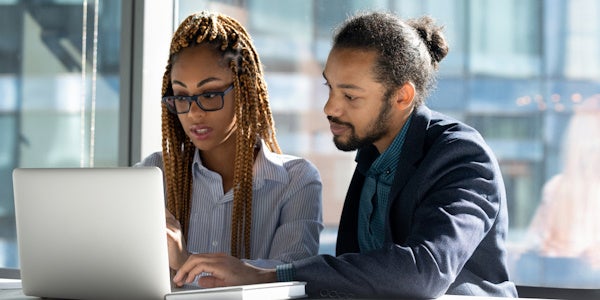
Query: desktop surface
(17, 294)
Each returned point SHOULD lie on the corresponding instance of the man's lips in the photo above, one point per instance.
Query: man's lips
(337, 128)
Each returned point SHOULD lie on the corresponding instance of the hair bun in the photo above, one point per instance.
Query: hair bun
(433, 37)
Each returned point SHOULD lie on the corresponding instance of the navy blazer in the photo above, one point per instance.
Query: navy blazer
(446, 227)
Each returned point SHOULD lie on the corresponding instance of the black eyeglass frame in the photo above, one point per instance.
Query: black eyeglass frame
(169, 101)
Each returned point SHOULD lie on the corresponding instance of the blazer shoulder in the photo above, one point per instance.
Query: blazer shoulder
(438, 127)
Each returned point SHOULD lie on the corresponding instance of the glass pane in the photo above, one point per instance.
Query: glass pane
(571, 39)
(59, 77)
(505, 38)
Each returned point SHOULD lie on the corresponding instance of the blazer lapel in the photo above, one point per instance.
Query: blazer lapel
(411, 155)
(347, 237)
(412, 150)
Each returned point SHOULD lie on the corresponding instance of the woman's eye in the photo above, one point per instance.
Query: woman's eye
(210, 95)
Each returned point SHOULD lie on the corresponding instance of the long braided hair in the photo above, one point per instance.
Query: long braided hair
(253, 117)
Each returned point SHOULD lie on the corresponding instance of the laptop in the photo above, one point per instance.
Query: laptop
(92, 233)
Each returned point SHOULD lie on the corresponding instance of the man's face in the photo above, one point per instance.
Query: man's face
(358, 108)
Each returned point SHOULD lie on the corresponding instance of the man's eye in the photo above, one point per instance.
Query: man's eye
(349, 97)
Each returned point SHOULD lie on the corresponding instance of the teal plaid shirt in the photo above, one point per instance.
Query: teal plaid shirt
(374, 197)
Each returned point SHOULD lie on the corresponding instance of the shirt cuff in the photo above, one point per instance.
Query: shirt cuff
(285, 272)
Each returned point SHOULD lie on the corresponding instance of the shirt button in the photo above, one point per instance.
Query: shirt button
(215, 243)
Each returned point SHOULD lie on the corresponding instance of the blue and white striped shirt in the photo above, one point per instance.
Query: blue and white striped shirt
(286, 208)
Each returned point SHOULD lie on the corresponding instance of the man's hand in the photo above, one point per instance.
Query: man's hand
(219, 269)
(177, 250)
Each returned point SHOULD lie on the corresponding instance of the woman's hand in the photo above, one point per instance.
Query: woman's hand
(177, 250)
(219, 269)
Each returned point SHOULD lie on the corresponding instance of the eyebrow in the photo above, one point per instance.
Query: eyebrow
(199, 84)
(345, 85)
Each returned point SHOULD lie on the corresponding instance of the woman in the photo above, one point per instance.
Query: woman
(228, 187)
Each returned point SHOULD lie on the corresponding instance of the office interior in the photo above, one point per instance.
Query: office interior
(80, 85)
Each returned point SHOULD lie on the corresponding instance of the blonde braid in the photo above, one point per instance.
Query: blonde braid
(253, 117)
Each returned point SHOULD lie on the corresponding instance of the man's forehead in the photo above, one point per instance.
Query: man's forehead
(349, 64)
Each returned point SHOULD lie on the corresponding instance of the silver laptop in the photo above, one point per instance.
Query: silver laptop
(92, 233)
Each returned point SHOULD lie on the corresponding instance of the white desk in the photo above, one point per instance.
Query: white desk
(14, 295)
(17, 294)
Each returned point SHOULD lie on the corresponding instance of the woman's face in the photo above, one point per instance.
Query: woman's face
(198, 70)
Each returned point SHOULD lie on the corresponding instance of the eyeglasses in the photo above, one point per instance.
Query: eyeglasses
(210, 101)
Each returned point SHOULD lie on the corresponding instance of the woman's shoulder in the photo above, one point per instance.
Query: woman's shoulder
(153, 160)
(298, 166)
(291, 163)
(288, 159)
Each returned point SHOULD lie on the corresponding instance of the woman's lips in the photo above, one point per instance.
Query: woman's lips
(200, 132)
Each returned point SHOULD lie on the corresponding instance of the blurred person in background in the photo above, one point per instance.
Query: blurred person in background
(565, 230)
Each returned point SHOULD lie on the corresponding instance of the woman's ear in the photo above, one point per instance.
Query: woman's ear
(405, 96)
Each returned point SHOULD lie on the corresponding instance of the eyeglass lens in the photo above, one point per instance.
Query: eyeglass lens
(208, 102)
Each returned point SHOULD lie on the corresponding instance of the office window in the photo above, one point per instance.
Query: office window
(59, 87)
(571, 40)
(581, 44)
(505, 38)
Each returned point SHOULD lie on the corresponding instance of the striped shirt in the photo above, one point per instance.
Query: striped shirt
(286, 209)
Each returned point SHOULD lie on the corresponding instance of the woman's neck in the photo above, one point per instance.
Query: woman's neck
(222, 161)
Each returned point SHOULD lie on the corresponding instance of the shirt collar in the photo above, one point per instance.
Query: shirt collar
(268, 166)
(365, 158)
(370, 162)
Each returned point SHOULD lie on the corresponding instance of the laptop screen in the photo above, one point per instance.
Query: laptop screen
(92, 232)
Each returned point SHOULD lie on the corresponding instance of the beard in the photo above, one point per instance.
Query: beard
(377, 129)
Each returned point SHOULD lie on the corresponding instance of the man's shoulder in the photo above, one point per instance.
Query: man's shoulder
(445, 134)
(439, 120)
(436, 125)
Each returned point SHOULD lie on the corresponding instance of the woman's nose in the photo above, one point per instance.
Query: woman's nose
(195, 110)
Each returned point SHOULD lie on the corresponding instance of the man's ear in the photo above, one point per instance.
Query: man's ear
(405, 96)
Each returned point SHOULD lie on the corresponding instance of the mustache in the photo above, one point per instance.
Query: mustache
(337, 121)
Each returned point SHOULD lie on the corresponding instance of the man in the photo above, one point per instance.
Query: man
(425, 212)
